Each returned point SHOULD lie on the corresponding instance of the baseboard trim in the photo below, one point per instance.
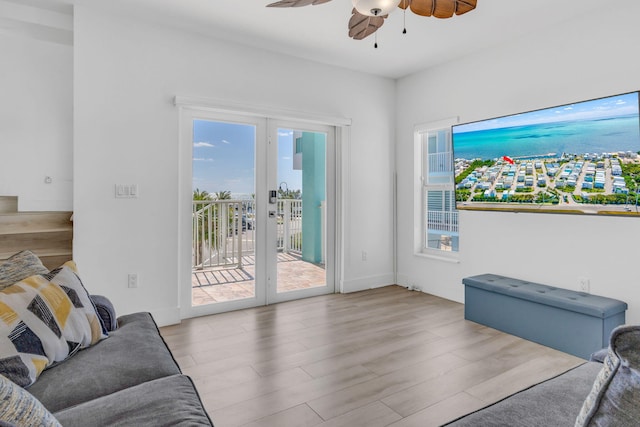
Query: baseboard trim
(167, 316)
(370, 282)
(403, 280)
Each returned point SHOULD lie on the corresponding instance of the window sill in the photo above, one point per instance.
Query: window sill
(453, 258)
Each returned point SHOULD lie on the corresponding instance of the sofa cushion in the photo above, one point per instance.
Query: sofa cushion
(614, 398)
(133, 354)
(599, 356)
(169, 401)
(43, 320)
(553, 403)
(20, 266)
(19, 407)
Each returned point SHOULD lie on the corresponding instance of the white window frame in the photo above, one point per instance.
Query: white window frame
(420, 192)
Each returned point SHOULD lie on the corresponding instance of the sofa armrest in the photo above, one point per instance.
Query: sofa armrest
(599, 355)
(106, 312)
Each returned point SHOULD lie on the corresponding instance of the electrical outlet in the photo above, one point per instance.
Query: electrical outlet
(584, 284)
(364, 255)
(133, 280)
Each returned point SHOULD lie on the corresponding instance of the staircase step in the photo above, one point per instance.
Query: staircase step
(8, 204)
(53, 240)
(47, 234)
(26, 222)
(55, 261)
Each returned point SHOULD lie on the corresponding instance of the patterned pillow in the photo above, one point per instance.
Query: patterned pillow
(19, 407)
(45, 319)
(68, 279)
(20, 266)
(614, 398)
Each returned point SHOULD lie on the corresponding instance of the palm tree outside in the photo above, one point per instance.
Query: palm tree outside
(222, 195)
(201, 195)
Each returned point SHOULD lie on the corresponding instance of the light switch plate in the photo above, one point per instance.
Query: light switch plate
(126, 191)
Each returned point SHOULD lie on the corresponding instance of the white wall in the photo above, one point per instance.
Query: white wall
(588, 57)
(126, 131)
(36, 121)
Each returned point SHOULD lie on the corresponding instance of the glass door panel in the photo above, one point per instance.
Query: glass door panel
(301, 227)
(223, 212)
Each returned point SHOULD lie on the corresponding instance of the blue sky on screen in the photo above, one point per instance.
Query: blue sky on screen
(224, 158)
(613, 106)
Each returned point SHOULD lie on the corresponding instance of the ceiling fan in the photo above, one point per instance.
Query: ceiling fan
(369, 15)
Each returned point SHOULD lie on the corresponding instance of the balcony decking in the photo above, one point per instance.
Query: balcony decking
(228, 284)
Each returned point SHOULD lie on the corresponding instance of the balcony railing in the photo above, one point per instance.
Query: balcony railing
(224, 231)
(442, 221)
(440, 162)
(290, 225)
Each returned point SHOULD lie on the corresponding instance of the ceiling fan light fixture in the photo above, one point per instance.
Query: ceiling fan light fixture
(367, 16)
(375, 7)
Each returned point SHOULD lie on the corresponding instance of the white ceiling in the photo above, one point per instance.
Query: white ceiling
(319, 33)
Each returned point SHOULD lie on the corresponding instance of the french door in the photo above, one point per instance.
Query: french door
(261, 211)
(301, 224)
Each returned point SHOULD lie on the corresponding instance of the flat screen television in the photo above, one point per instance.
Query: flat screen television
(579, 158)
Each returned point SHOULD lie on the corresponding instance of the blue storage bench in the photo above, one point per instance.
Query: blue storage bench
(574, 322)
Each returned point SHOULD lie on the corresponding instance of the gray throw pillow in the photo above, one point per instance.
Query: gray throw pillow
(19, 407)
(20, 266)
(614, 398)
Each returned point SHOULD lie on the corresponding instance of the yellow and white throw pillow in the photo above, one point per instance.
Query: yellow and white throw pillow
(68, 279)
(43, 320)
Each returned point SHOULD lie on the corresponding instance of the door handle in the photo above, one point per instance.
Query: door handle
(272, 214)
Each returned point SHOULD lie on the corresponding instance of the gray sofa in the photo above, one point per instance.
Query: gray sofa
(599, 393)
(553, 403)
(128, 379)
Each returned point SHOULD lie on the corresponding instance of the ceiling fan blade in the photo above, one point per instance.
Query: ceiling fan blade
(422, 7)
(404, 4)
(296, 3)
(361, 26)
(444, 8)
(465, 6)
(441, 8)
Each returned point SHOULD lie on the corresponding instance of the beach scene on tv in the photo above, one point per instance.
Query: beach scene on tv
(580, 158)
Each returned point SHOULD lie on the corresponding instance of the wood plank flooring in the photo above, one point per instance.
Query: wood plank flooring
(383, 357)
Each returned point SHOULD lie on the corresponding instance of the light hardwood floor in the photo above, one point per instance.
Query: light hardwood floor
(381, 357)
